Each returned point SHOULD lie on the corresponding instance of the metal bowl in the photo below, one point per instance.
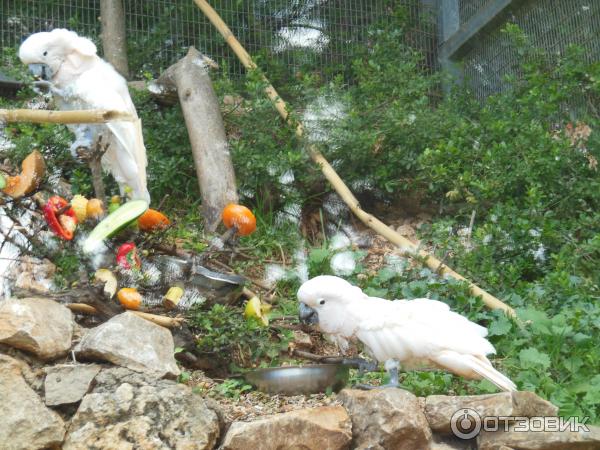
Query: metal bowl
(217, 287)
(295, 380)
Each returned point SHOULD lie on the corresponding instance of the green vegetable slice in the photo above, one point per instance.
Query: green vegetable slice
(114, 222)
(2, 181)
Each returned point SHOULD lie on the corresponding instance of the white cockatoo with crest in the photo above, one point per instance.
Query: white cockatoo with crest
(412, 333)
(80, 79)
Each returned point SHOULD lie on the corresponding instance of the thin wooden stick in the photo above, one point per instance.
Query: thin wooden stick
(163, 321)
(338, 184)
(78, 116)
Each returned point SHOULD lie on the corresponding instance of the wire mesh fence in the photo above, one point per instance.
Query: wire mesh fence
(549, 24)
(293, 34)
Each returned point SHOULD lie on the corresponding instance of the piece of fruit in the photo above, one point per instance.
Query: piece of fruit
(113, 205)
(254, 310)
(127, 256)
(240, 217)
(114, 222)
(2, 181)
(153, 220)
(109, 280)
(60, 217)
(79, 204)
(95, 208)
(129, 298)
(33, 169)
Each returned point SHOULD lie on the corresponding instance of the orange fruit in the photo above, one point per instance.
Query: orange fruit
(153, 220)
(240, 217)
(129, 298)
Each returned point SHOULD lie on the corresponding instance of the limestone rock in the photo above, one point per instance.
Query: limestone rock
(386, 419)
(37, 325)
(541, 440)
(323, 428)
(127, 410)
(450, 443)
(25, 423)
(68, 383)
(130, 341)
(440, 408)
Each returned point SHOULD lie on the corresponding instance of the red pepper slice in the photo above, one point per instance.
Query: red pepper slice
(127, 256)
(64, 225)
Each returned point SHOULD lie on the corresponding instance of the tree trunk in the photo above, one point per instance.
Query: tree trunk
(202, 113)
(114, 40)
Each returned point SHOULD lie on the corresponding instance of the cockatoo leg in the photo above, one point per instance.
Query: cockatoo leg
(392, 367)
(84, 137)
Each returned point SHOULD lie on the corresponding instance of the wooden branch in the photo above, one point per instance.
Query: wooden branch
(163, 321)
(202, 114)
(335, 180)
(65, 117)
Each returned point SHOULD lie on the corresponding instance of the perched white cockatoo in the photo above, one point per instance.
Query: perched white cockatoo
(80, 79)
(414, 333)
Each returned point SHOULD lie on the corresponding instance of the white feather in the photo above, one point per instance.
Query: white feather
(414, 332)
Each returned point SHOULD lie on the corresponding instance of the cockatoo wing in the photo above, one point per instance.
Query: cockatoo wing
(126, 159)
(425, 332)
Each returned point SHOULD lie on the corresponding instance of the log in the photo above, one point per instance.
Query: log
(114, 40)
(335, 180)
(163, 321)
(64, 117)
(202, 113)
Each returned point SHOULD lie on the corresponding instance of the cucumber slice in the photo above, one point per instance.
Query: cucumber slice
(114, 222)
(2, 181)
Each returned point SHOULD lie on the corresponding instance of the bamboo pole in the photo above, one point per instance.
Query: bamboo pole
(338, 184)
(65, 117)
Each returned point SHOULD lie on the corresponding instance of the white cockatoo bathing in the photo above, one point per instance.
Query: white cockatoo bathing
(80, 79)
(414, 333)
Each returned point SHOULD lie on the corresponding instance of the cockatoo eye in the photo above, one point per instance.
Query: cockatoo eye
(321, 302)
(45, 53)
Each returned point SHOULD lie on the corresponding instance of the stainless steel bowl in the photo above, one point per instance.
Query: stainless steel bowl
(295, 380)
(217, 287)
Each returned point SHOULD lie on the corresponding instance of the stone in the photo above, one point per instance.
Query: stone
(323, 428)
(33, 274)
(128, 340)
(439, 409)
(37, 325)
(133, 410)
(386, 419)
(444, 442)
(540, 440)
(68, 383)
(25, 423)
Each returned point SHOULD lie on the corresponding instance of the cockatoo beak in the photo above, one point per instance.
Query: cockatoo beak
(308, 315)
(42, 71)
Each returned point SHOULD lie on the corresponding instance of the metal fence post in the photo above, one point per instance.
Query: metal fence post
(449, 24)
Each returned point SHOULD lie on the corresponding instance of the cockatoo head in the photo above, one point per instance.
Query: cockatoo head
(47, 52)
(323, 298)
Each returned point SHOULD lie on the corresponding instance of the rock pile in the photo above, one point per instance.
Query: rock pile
(53, 396)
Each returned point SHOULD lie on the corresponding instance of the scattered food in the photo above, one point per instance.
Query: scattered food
(129, 298)
(127, 256)
(240, 218)
(33, 169)
(255, 310)
(153, 220)
(60, 217)
(110, 281)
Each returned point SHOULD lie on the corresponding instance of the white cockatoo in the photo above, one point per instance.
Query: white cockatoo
(80, 79)
(414, 333)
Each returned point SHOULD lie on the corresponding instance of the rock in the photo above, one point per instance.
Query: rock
(541, 440)
(25, 423)
(440, 408)
(450, 443)
(386, 419)
(302, 339)
(130, 341)
(323, 428)
(68, 383)
(37, 325)
(127, 410)
(33, 274)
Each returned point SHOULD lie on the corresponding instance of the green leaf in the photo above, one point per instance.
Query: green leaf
(501, 326)
(533, 358)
